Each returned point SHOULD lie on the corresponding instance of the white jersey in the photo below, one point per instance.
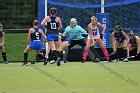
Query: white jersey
(95, 31)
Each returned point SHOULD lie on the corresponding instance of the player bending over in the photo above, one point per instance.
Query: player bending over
(119, 37)
(94, 36)
(65, 43)
(134, 42)
(2, 49)
(34, 42)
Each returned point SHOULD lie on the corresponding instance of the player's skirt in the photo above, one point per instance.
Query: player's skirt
(36, 44)
(52, 37)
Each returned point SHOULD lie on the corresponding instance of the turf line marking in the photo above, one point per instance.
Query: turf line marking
(122, 77)
(51, 76)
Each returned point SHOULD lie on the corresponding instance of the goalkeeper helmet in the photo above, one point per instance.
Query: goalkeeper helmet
(73, 22)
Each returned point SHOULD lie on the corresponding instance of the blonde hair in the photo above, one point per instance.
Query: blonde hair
(94, 17)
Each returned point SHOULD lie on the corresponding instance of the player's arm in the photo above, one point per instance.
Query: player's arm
(44, 36)
(90, 33)
(113, 41)
(66, 32)
(43, 23)
(101, 26)
(2, 39)
(60, 23)
(138, 44)
(29, 37)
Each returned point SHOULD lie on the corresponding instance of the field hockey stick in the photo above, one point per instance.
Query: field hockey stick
(108, 55)
(128, 57)
(95, 52)
(91, 54)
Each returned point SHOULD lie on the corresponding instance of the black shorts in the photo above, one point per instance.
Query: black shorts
(80, 42)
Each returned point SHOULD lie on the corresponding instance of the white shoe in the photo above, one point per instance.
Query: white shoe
(115, 60)
(52, 61)
(126, 60)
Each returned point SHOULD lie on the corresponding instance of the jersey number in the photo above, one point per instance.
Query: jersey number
(37, 35)
(53, 26)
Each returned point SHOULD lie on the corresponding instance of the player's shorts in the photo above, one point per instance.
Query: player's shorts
(67, 40)
(36, 44)
(52, 37)
(94, 37)
(120, 40)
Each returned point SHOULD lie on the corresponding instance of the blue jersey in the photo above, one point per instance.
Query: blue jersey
(74, 33)
(52, 26)
(36, 35)
(36, 43)
(52, 30)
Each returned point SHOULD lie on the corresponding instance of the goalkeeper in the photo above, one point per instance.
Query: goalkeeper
(75, 33)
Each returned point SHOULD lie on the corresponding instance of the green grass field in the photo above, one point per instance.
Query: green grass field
(15, 43)
(72, 77)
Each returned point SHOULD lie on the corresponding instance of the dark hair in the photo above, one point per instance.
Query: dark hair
(35, 23)
(118, 28)
(131, 33)
(53, 11)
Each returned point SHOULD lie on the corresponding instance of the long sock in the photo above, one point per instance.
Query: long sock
(25, 57)
(50, 56)
(4, 56)
(116, 55)
(85, 54)
(60, 54)
(55, 56)
(57, 52)
(41, 56)
(106, 54)
(125, 53)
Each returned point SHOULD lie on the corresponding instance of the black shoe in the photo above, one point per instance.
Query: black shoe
(24, 64)
(6, 62)
(46, 62)
(83, 61)
(58, 61)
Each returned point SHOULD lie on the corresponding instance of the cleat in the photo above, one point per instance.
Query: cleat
(62, 62)
(52, 61)
(126, 60)
(46, 62)
(83, 61)
(97, 60)
(6, 62)
(58, 61)
(115, 60)
(24, 64)
(32, 62)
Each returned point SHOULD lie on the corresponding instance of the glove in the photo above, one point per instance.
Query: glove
(85, 35)
(101, 35)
